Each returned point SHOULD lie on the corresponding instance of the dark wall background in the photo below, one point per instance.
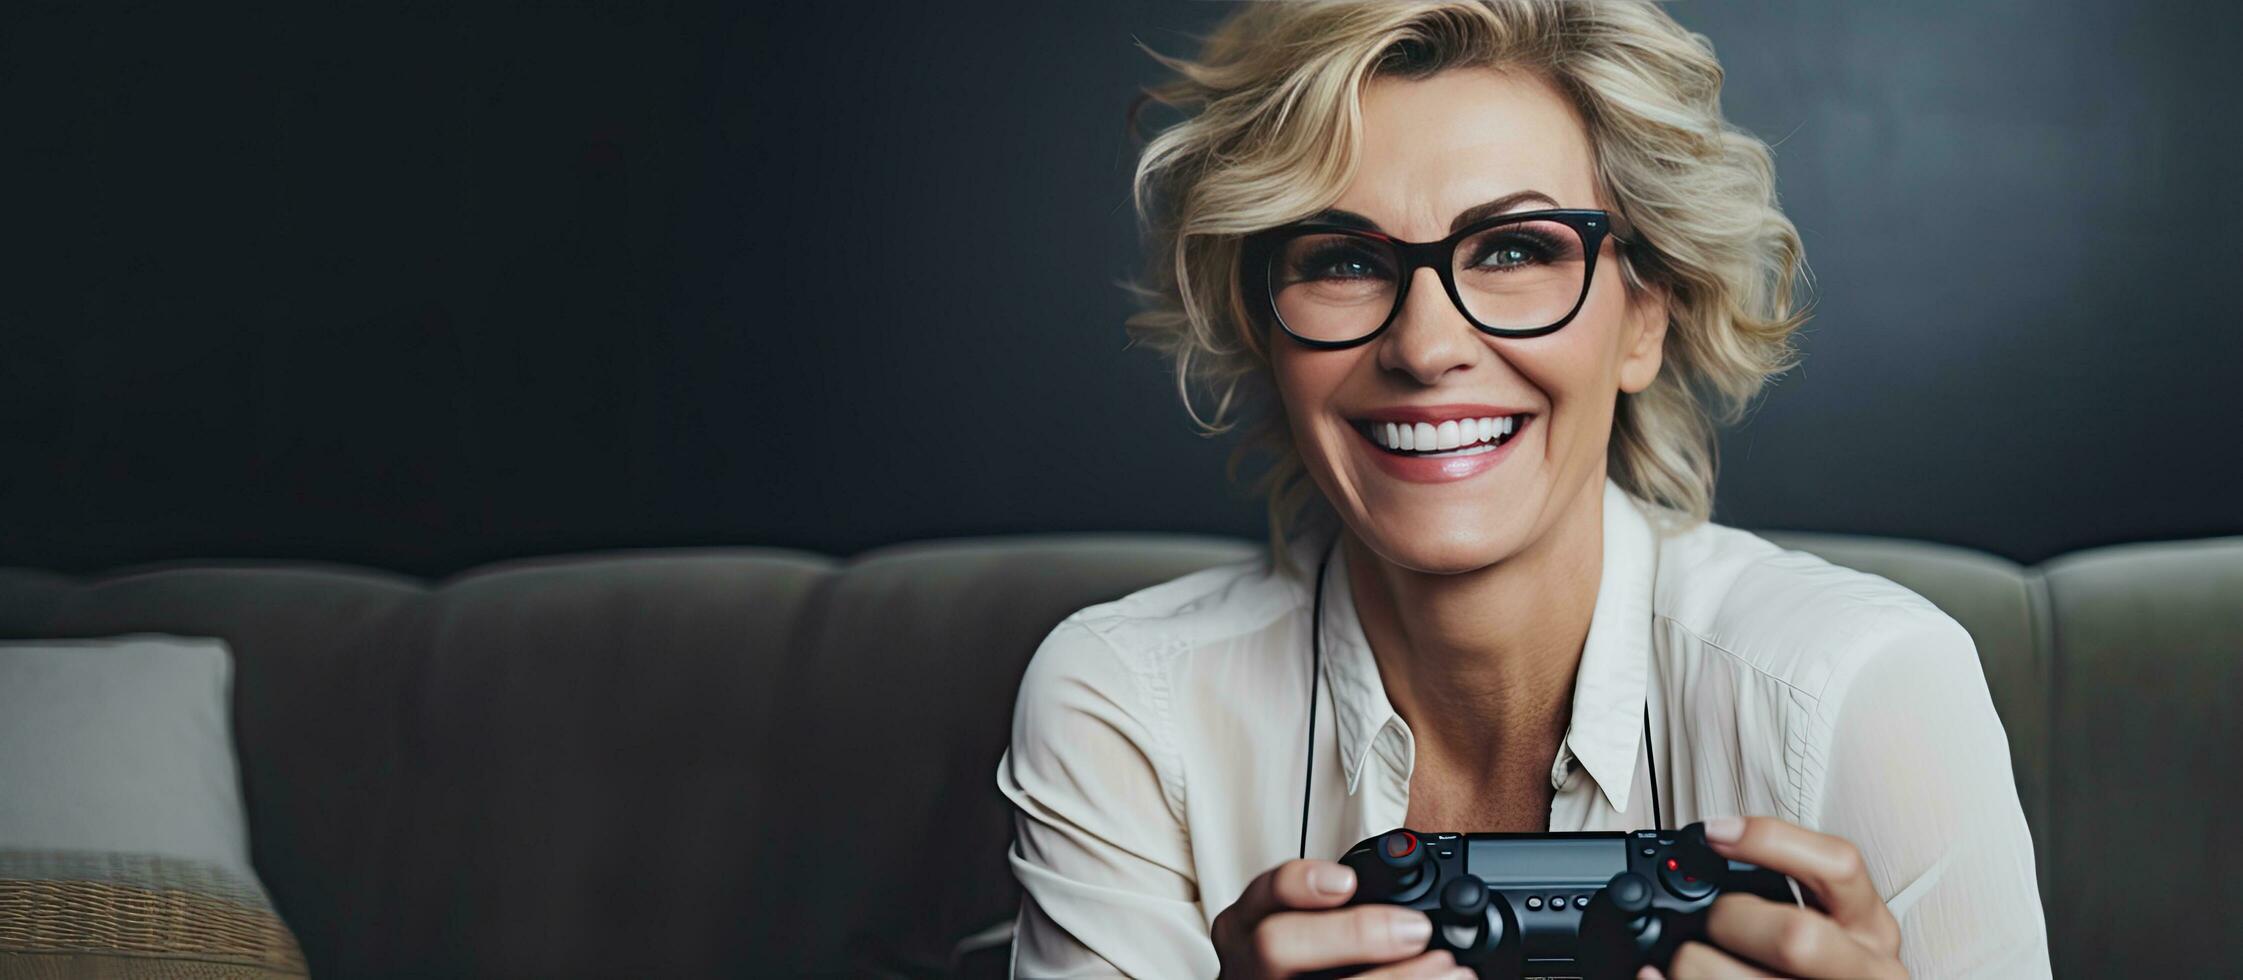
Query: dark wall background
(424, 287)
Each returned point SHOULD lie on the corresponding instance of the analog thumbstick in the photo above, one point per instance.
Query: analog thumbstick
(1621, 928)
(1401, 852)
(1631, 892)
(1690, 868)
(1465, 898)
(1463, 916)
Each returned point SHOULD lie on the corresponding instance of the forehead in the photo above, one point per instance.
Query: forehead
(1435, 146)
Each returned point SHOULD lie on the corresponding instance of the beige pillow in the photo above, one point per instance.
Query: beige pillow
(116, 914)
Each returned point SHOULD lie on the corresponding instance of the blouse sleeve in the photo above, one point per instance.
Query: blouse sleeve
(1918, 778)
(1099, 844)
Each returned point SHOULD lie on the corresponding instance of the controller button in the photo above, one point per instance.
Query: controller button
(1534, 902)
(1400, 843)
(1557, 903)
(1683, 883)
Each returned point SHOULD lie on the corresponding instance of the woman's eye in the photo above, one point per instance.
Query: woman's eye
(1507, 254)
(1340, 266)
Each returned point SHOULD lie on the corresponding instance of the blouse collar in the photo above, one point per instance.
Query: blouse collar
(1608, 690)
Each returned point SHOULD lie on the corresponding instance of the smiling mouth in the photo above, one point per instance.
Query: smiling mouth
(1456, 437)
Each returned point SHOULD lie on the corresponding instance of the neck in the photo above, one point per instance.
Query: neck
(1481, 664)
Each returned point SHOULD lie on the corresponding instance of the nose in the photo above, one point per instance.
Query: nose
(1429, 336)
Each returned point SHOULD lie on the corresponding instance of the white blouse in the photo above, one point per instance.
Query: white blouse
(1159, 739)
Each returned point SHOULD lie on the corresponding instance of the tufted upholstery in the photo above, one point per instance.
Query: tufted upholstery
(754, 761)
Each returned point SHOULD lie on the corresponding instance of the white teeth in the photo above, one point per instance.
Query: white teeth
(1446, 434)
(1452, 434)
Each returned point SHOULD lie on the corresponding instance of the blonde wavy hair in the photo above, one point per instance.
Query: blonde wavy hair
(1272, 134)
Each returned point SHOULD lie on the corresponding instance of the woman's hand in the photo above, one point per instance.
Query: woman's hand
(1851, 934)
(1288, 921)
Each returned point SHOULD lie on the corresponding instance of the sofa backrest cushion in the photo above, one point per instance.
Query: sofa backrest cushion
(588, 761)
(2147, 759)
(894, 835)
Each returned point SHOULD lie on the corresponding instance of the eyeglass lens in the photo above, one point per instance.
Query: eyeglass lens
(1521, 275)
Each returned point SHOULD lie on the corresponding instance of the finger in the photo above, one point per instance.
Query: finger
(1694, 960)
(1828, 866)
(1437, 964)
(1289, 942)
(1297, 884)
(1794, 941)
(1307, 884)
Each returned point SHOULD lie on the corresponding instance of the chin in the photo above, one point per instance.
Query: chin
(1441, 547)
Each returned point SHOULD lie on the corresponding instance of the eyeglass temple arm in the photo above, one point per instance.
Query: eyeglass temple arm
(1623, 230)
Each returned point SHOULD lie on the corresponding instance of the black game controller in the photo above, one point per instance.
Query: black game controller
(1591, 905)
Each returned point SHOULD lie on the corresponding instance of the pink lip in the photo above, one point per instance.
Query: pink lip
(1425, 469)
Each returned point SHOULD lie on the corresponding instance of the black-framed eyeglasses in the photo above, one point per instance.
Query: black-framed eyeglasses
(1523, 274)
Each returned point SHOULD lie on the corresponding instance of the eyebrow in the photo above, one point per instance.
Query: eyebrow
(1465, 217)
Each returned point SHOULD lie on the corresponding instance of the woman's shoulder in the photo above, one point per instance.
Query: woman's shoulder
(1119, 667)
(1794, 616)
(1213, 607)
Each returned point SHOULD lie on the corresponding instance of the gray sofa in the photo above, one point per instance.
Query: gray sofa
(752, 761)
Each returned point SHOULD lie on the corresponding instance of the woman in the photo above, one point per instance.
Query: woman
(1487, 273)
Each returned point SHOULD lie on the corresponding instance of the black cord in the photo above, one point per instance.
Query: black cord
(1658, 819)
(1315, 674)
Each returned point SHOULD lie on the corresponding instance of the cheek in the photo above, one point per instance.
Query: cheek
(1580, 364)
(1570, 368)
(1306, 384)
(1307, 387)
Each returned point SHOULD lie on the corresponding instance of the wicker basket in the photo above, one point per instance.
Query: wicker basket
(105, 914)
